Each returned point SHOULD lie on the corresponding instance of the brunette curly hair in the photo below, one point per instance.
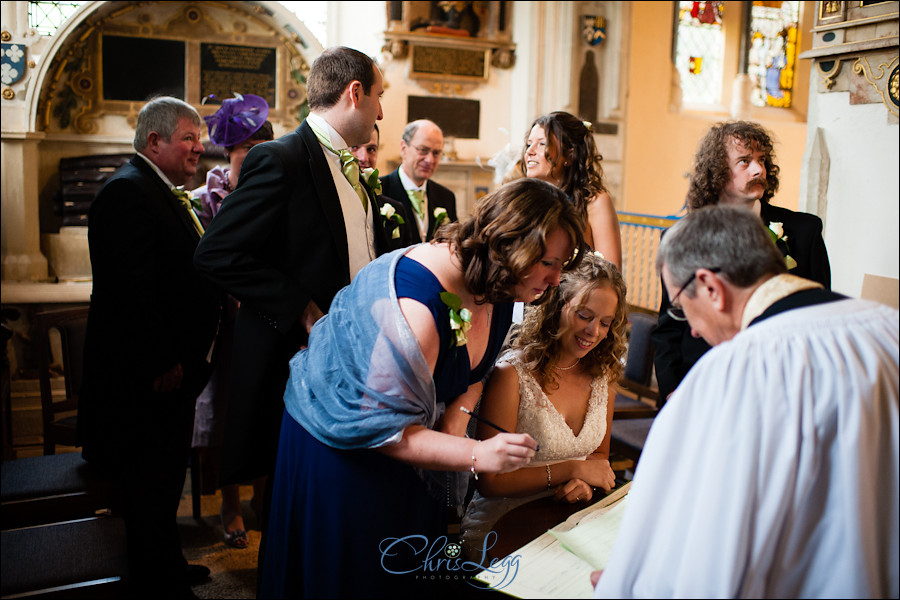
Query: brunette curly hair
(711, 171)
(573, 141)
(507, 235)
(538, 336)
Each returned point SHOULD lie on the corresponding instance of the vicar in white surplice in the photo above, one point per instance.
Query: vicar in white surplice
(772, 472)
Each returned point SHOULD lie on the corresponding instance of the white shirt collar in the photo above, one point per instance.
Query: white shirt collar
(337, 142)
(158, 172)
(409, 184)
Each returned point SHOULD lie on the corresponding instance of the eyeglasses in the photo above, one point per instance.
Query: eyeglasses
(423, 151)
(676, 312)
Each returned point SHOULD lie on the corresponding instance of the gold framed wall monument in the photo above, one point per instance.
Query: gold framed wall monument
(449, 63)
(227, 47)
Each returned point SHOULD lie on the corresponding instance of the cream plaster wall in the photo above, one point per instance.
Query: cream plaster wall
(862, 208)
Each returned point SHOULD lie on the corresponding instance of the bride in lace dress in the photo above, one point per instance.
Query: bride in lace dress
(557, 383)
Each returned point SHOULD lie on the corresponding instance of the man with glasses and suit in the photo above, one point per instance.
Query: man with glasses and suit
(430, 203)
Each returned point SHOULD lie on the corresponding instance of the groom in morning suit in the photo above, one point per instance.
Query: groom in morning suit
(150, 330)
(420, 152)
(294, 232)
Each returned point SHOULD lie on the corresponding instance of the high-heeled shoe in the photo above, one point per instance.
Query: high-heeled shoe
(237, 539)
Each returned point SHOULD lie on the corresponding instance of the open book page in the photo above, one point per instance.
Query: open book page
(592, 540)
(546, 569)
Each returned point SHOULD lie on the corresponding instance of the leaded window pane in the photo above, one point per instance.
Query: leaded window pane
(772, 56)
(47, 17)
(699, 51)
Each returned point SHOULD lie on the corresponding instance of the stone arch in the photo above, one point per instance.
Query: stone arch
(67, 72)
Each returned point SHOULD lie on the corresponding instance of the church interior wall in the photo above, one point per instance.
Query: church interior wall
(647, 161)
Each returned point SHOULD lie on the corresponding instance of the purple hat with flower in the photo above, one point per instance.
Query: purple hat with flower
(238, 119)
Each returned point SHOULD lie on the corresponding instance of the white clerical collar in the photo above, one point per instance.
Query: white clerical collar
(337, 142)
(409, 184)
(162, 175)
(770, 292)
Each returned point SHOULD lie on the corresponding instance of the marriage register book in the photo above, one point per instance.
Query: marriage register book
(558, 564)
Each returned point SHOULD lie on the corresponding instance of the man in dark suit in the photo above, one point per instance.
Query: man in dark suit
(430, 203)
(294, 232)
(150, 331)
(735, 164)
(396, 217)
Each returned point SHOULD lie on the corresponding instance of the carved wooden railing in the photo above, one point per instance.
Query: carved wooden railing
(640, 238)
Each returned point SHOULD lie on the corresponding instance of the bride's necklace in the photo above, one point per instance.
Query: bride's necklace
(558, 368)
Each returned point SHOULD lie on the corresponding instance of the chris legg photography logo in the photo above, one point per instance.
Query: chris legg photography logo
(439, 560)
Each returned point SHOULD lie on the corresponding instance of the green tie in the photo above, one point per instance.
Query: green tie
(417, 198)
(185, 199)
(349, 164)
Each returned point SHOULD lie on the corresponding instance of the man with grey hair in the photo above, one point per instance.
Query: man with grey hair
(430, 203)
(150, 331)
(772, 472)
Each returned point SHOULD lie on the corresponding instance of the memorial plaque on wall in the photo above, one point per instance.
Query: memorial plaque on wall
(459, 63)
(455, 116)
(137, 69)
(226, 69)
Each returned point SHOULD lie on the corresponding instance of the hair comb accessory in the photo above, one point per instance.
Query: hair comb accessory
(587, 125)
(237, 119)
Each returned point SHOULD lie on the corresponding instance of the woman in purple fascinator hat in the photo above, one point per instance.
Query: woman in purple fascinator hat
(237, 126)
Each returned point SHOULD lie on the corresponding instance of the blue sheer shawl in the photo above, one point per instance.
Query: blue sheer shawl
(363, 378)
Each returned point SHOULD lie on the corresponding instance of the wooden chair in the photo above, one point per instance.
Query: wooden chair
(638, 376)
(633, 417)
(60, 417)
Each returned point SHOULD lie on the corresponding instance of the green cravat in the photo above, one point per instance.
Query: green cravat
(417, 198)
(349, 164)
(185, 199)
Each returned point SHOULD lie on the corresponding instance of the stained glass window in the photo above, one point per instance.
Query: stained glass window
(46, 17)
(772, 56)
(699, 51)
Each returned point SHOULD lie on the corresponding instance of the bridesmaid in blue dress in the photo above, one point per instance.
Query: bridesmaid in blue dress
(373, 449)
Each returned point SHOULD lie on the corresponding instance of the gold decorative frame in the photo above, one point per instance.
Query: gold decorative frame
(72, 96)
(831, 12)
(829, 75)
(879, 81)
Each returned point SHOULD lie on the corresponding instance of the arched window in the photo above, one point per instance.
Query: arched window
(46, 17)
(772, 52)
(699, 51)
(712, 44)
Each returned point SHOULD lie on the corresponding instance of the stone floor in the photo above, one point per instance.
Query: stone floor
(233, 570)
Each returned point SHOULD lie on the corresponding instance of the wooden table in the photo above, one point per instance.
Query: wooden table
(524, 523)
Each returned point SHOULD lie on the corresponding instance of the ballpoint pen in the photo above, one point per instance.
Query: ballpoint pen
(488, 423)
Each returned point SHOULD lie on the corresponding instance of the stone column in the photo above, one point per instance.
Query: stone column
(20, 232)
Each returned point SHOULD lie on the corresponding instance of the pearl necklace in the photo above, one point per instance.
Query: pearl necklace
(558, 368)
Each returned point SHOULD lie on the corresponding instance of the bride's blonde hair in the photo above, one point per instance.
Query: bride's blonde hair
(538, 337)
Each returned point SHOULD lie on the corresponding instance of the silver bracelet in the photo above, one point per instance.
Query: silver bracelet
(473, 459)
(548, 477)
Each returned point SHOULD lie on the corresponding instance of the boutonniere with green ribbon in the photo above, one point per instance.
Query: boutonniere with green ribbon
(392, 219)
(185, 197)
(776, 232)
(460, 318)
(440, 217)
(370, 178)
